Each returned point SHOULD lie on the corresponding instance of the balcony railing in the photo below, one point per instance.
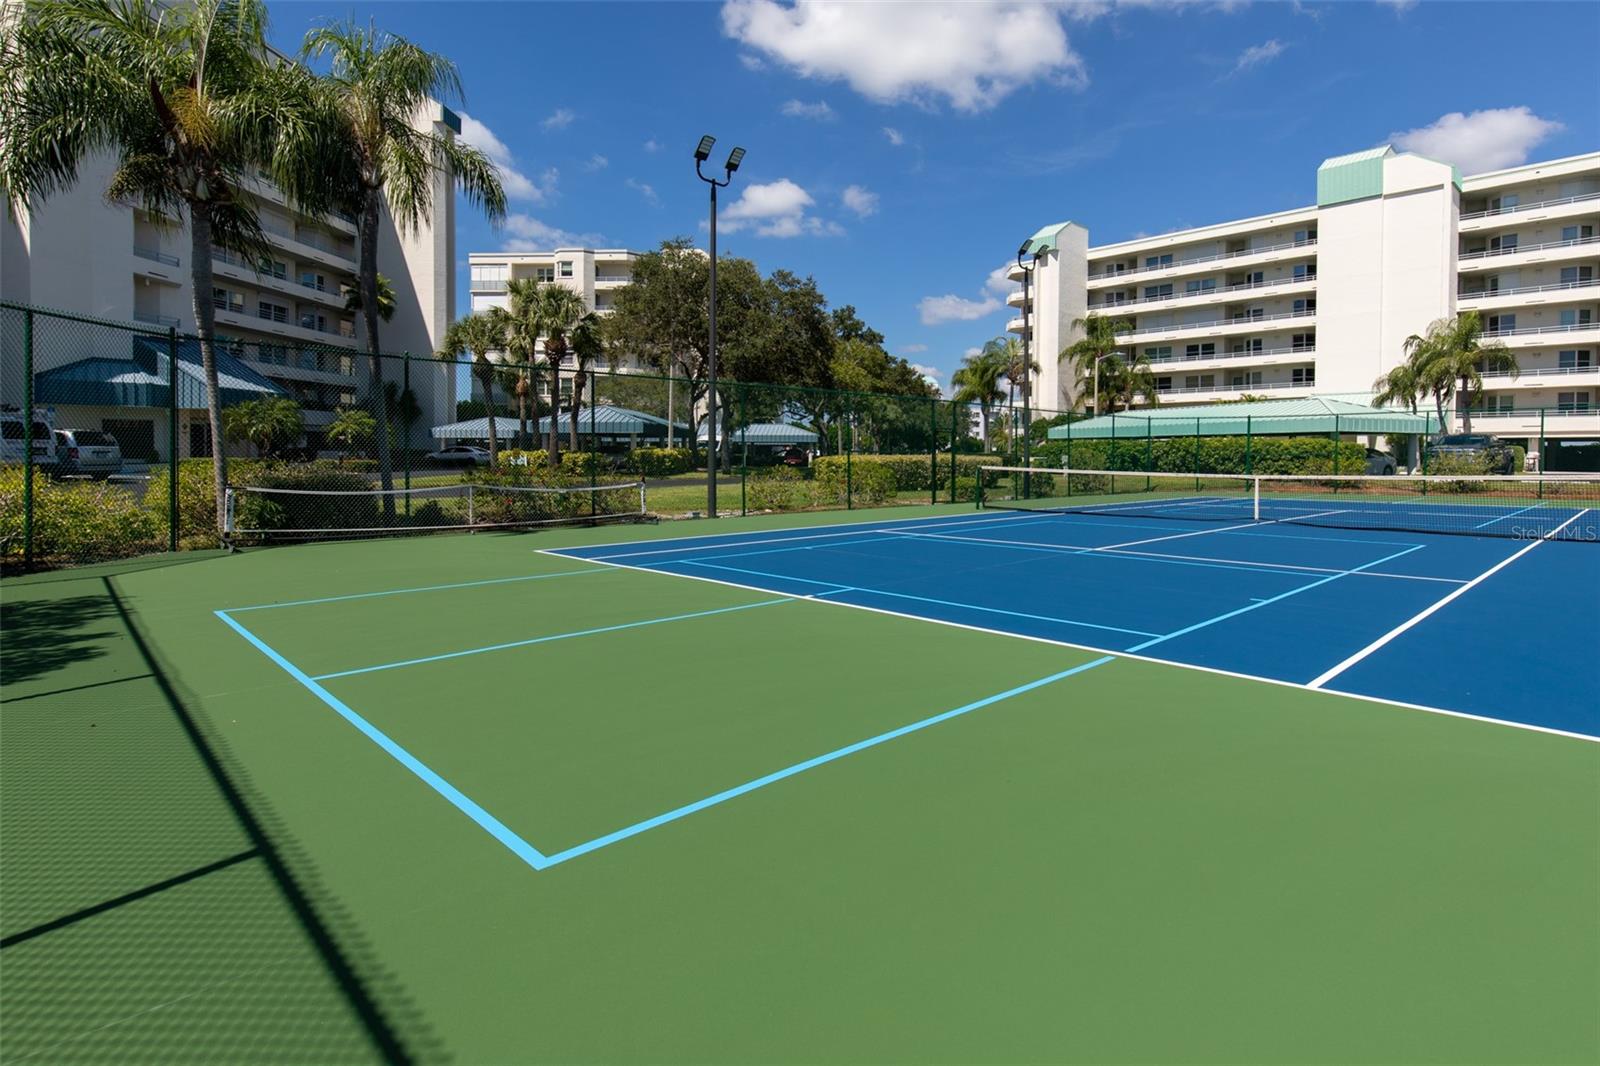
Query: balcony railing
(1260, 386)
(1204, 259)
(489, 286)
(605, 279)
(333, 329)
(155, 318)
(1540, 372)
(1528, 331)
(1486, 253)
(1216, 323)
(318, 239)
(155, 255)
(1536, 412)
(1238, 287)
(1261, 353)
(1524, 290)
(1529, 207)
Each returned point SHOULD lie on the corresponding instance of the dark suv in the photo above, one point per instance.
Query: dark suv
(1497, 456)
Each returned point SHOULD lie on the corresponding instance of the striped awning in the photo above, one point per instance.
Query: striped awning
(144, 379)
(605, 420)
(779, 433)
(1311, 415)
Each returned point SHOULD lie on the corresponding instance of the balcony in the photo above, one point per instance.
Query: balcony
(1218, 324)
(1530, 207)
(1531, 377)
(1566, 207)
(1527, 290)
(1199, 296)
(1182, 264)
(489, 286)
(1263, 355)
(1263, 386)
(155, 255)
(1541, 331)
(612, 279)
(1548, 246)
(155, 318)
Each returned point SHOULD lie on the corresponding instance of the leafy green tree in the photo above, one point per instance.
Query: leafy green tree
(1094, 349)
(478, 336)
(386, 301)
(977, 381)
(349, 425)
(185, 98)
(587, 349)
(519, 324)
(1450, 358)
(374, 155)
(268, 423)
(555, 312)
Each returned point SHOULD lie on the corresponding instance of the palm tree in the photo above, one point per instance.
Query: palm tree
(1122, 382)
(587, 348)
(1450, 358)
(520, 325)
(977, 381)
(349, 425)
(386, 304)
(265, 423)
(555, 312)
(184, 97)
(1401, 384)
(478, 335)
(374, 155)
(1099, 342)
(514, 380)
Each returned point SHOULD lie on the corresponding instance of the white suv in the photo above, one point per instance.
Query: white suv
(14, 432)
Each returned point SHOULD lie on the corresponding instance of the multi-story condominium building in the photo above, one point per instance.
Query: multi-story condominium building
(1320, 299)
(283, 317)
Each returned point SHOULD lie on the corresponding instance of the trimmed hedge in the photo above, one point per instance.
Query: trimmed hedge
(912, 473)
(661, 462)
(867, 481)
(1209, 455)
(74, 520)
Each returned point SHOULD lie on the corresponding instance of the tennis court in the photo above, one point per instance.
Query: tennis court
(971, 785)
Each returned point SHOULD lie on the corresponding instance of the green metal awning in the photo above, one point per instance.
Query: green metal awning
(1312, 415)
(143, 380)
(605, 419)
(778, 433)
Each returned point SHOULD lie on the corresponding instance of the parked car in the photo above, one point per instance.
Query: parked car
(1380, 462)
(1498, 457)
(461, 455)
(796, 456)
(91, 452)
(13, 432)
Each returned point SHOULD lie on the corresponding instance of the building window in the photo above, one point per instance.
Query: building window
(1249, 314)
(1498, 404)
(1160, 354)
(1501, 324)
(1306, 306)
(1303, 375)
(564, 268)
(1305, 271)
(1251, 345)
(1505, 242)
(1301, 236)
(489, 276)
(1245, 379)
(544, 274)
(1163, 384)
(1203, 350)
(1113, 299)
(273, 268)
(1156, 262)
(1572, 401)
(223, 300)
(272, 312)
(1583, 275)
(1202, 285)
(1302, 342)
(1200, 381)
(1577, 317)
(312, 280)
(1574, 358)
(1504, 203)
(1576, 233)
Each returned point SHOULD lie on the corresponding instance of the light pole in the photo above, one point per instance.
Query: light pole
(1105, 355)
(701, 153)
(1027, 360)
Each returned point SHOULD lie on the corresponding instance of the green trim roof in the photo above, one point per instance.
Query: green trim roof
(143, 380)
(769, 433)
(1356, 176)
(607, 420)
(1314, 415)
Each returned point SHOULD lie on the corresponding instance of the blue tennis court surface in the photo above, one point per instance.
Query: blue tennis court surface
(1497, 628)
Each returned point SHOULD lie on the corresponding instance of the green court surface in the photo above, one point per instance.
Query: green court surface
(1135, 862)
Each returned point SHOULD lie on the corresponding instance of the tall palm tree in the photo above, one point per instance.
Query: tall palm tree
(1125, 380)
(977, 381)
(515, 381)
(587, 348)
(1401, 384)
(478, 336)
(374, 155)
(386, 301)
(1450, 358)
(184, 97)
(1099, 342)
(555, 312)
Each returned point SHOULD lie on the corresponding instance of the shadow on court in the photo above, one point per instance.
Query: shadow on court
(152, 907)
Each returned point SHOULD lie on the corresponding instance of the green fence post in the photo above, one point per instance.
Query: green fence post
(27, 439)
(405, 387)
(594, 453)
(1111, 450)
(1197, 455)
(933, 451)
(1336, 443)
(744, 452)
(1249, 439)
(1543, 467)
(953, 452)
(1149, 451)
(172, 439)
(1067, 452)
(849, 450)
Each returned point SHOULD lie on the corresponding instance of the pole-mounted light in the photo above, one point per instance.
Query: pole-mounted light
(702, 153)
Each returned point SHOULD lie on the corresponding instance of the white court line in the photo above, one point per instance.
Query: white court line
(1329, 675)
(1121, 654)
(1236, 564)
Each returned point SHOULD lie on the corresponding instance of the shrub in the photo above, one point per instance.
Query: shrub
(781, 488)
(74, 521)
(913, 473)
(1210, 455)
(860, 479)
(661, 462)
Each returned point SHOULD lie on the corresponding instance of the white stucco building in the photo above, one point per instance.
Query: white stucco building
(283, 318)
(594, 273)
(1320, 299)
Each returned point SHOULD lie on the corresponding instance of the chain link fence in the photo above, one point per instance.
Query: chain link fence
(321, 439)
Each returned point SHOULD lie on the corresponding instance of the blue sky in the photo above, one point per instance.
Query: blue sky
(901, 152)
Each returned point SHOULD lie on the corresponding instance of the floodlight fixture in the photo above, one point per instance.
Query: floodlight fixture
(703, 152)
(735, 157)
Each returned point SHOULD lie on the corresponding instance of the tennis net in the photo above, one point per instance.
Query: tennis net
(1523, 507)
(257, 513)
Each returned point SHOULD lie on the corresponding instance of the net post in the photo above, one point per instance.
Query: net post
(1149, 452)
(849, 451)
(594, 448)
(1249, 438)
(1197, 455)
(1255, 492)
(744, 451)
(1336, 442)
(1067, 453)
(172, 439)
(953, 451)
(228, 523)
(1543, 466)
(1111, 450)
(933, 451)
(27, 439)
(471, 519)
(405, 387)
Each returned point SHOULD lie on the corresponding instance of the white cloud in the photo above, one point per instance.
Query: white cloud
(518, 186)
(1258, 54)
(652, 145)
(1484, 140)
(860, 200)
(596, 162)
(750, 62)
(997, 282)
(528, 234)
(559, 119)
(819, 111)
(937, 310)
(930, 373)
(971, 352)
(896, 138)
(776, 209)
(971, 54)
(1399, 5)
(911, 349)
(647, 191)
